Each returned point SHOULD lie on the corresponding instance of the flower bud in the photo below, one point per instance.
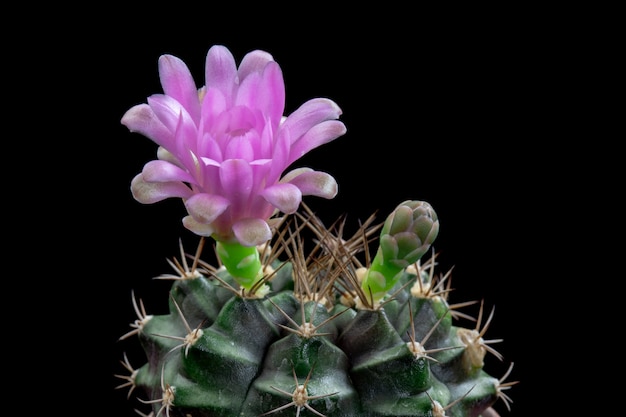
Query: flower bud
(406, 235)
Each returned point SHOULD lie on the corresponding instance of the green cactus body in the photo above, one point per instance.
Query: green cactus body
(307, 348)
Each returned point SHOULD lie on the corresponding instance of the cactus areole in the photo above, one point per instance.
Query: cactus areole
(291, 318)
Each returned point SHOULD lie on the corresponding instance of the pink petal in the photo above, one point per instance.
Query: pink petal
(241, 147)
(141, 119)
(210, 149)
(177, 82)
(274, 87)
(205, 208)
(311, 182)
(236, 179)
(264, 91)
(319, 134)
(280, 154)
(213, 104)
(252, 232)
(294, 173)
(309, 114)
(221, 71)
(253, 61)
(249, 91)
(200, 229)
(285, 197)
(163, 171)
(172, 114)
(152, 192)
(177, 119)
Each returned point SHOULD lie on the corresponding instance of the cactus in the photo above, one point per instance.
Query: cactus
(290, 318)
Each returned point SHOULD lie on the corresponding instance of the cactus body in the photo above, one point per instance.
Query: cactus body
(306, 348)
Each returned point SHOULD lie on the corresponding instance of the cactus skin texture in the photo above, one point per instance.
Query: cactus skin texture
(314, 345)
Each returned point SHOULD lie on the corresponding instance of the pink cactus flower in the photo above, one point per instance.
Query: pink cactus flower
(223, 148)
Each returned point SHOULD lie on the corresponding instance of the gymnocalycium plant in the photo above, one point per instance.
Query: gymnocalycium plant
(293, 318)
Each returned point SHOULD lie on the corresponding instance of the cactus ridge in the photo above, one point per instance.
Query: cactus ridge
(317, 343)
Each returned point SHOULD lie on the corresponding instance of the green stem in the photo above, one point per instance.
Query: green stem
(380, 278)
(242, 262)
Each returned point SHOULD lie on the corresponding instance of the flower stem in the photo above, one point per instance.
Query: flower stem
(380, 278)
(242, 262)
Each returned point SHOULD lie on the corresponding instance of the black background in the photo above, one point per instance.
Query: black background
(451, 110)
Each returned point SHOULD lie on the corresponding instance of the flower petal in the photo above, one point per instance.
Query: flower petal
(209, 149)
(309, 114)
(205, 208)
(152, 192)
(253, 61)
(264, 91)
(200, 229)
(213, 104)
(141, 119)
(171, 113)
(236, 179)
(285, 197)
(319, 134)
(176, 118)
(163, 171)
(252, 232)
(177, 82)
(311, 182)
(165, 155)
(221, 71)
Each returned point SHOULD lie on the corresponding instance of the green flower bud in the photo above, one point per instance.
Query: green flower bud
(406, 235)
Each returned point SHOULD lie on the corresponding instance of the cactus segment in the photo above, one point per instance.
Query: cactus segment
(315, 365)
(306, 347)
